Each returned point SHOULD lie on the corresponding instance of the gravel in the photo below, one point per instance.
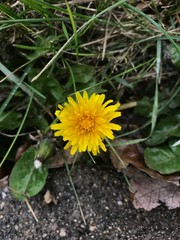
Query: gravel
(106, 205)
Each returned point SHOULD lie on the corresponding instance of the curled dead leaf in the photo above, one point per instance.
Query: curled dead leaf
(129, 154)
(58, 159)
(133, 155)
(21, 150)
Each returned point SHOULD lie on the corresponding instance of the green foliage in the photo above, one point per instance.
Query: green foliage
(10, 120)
(164, 158)
(81, 75)
(64, 48)
(25, 180)
(144, 107)
(166, 127)
(7, 10)
(161, 156)
(48, 86)
(38, 120)
(174, 54)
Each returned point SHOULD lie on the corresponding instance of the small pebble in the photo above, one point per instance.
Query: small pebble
(16, 227)
(92, 228)
(2, 205)
(62, 232)
(120, 203)
(44, 235)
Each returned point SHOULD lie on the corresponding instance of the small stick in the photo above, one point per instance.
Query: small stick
(31, 210)
(76, 195)
(127, 105)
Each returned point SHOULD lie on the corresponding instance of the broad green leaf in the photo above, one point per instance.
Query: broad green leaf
(165, 128)
(174, 146)
(144, 107)
(49, 86)
(25, 180)
(10, 120)
(163, 159)
(38, 120)
(81, 74)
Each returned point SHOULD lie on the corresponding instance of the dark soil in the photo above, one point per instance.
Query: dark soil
(106, 204)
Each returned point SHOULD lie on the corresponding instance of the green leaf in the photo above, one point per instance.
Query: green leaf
(174, 146)
(175, 56)
(144, 107)
(81, 74)
(124, 82)
(49, 86)
(175, 103)
(10, 120)
(163, 159)
(25, 180)
(38, 120)
(165, 128)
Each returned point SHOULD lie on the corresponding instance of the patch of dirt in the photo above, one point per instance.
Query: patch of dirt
(106, 204)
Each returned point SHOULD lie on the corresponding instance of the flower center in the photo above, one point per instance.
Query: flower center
(86, 123)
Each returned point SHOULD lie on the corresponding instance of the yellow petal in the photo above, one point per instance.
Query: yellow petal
(56, 126)
(114, 126)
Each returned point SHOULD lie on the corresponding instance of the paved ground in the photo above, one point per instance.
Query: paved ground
(106, 204)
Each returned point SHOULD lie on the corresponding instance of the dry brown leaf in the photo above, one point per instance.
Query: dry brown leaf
(58, 159)
(128, 154)
(149, 193)
(133, 154)
(21, 150)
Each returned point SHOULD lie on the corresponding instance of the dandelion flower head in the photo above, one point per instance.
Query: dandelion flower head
(86, 122)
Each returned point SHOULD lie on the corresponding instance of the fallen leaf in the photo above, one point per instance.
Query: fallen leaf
(58, 159)
(133, 155)
(149, 193)
(21, 150)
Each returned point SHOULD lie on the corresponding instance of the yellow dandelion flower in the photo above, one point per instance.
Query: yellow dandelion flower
(86, 122)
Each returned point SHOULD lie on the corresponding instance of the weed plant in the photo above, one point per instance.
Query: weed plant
(128, 50)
